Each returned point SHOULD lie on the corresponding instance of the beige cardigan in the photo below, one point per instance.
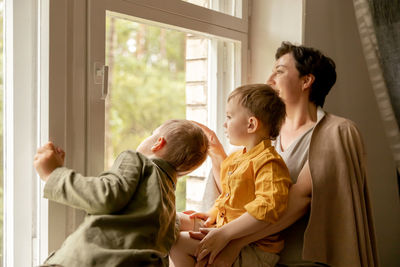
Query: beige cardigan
(340, 231)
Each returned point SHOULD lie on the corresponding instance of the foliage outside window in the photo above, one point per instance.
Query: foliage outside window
(147, 85)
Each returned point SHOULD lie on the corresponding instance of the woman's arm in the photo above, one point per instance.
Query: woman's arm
(217, 238)
(216, 152)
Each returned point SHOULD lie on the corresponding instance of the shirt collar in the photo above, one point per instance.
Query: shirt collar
(167, 168)
(320, 114)
(264, 144)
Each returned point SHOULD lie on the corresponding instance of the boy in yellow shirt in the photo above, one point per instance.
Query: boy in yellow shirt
(255, 183)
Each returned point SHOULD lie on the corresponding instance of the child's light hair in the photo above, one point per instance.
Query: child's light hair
(263, 103)
(187, 145)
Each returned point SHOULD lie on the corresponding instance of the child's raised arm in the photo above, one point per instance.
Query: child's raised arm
(105, 194)
(215, 151)
(47, 159)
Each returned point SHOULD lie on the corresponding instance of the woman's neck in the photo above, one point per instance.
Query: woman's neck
(298, 120)
(299, 116)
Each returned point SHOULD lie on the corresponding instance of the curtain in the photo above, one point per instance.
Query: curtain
(379, 27)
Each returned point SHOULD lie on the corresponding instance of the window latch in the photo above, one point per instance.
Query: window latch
(101, 77)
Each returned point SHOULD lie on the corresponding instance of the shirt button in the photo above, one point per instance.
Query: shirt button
(227, 194)
(229, 173)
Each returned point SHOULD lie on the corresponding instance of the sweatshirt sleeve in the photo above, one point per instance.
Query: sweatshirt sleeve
(272, 184)
(105, 194)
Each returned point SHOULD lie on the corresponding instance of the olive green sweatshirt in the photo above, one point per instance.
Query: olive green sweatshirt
(130, 217)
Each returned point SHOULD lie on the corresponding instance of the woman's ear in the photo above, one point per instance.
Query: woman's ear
(308, 80)
(252, 125)
(159, 144)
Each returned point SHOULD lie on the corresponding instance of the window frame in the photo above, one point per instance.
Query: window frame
(71, 88)
(174, 13)
(47, 43)
(67, 52)
(23, 208)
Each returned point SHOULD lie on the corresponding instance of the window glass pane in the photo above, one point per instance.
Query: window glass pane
(229, 7)
(147, 84)
(156, 73)
(1, 131)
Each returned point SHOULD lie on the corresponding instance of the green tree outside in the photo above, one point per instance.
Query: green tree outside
(147, 84)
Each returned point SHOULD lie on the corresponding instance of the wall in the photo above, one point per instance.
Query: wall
(331, 27)
(271, 22)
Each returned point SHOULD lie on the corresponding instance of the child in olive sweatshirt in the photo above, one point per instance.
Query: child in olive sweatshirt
(131, 207)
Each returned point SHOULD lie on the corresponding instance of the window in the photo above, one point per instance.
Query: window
(150, 61)
(85, 116)
(157, 73)
(229, 7)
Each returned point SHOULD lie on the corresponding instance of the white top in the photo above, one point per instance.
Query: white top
(295, 156)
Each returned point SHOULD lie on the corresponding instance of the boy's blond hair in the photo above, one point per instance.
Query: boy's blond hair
(187, 145)
(263, 103)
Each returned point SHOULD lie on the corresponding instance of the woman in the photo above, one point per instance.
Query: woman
(328, 220)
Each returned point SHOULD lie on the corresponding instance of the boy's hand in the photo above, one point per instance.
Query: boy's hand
(189, 222)
(47, 159)
(186, 224)
(215, 150)
(208, 218)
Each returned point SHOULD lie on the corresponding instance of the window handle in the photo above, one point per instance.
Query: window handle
(104, 87)
(101, 77)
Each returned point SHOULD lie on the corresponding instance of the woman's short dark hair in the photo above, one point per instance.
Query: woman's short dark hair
(312, 61)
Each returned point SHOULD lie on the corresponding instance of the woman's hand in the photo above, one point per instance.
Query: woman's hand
(198, 235)
(225, 258)
(202, 263)
(228, 255)
(214, 241)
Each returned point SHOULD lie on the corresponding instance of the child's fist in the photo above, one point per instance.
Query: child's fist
(47, 159)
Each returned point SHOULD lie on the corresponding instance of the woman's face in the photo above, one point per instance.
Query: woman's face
(285, 79)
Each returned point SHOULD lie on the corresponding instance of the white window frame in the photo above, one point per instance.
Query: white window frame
(40, 78)
(175, 13)
(24, 210)
(67, 20)
(72, 25)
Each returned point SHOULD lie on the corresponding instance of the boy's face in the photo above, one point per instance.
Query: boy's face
(236, 123)
(145, 147)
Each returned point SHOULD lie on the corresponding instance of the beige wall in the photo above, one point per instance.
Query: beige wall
(331, 27)
(271, 22)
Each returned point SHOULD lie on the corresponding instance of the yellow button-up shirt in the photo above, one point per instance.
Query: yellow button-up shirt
(257, 182)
